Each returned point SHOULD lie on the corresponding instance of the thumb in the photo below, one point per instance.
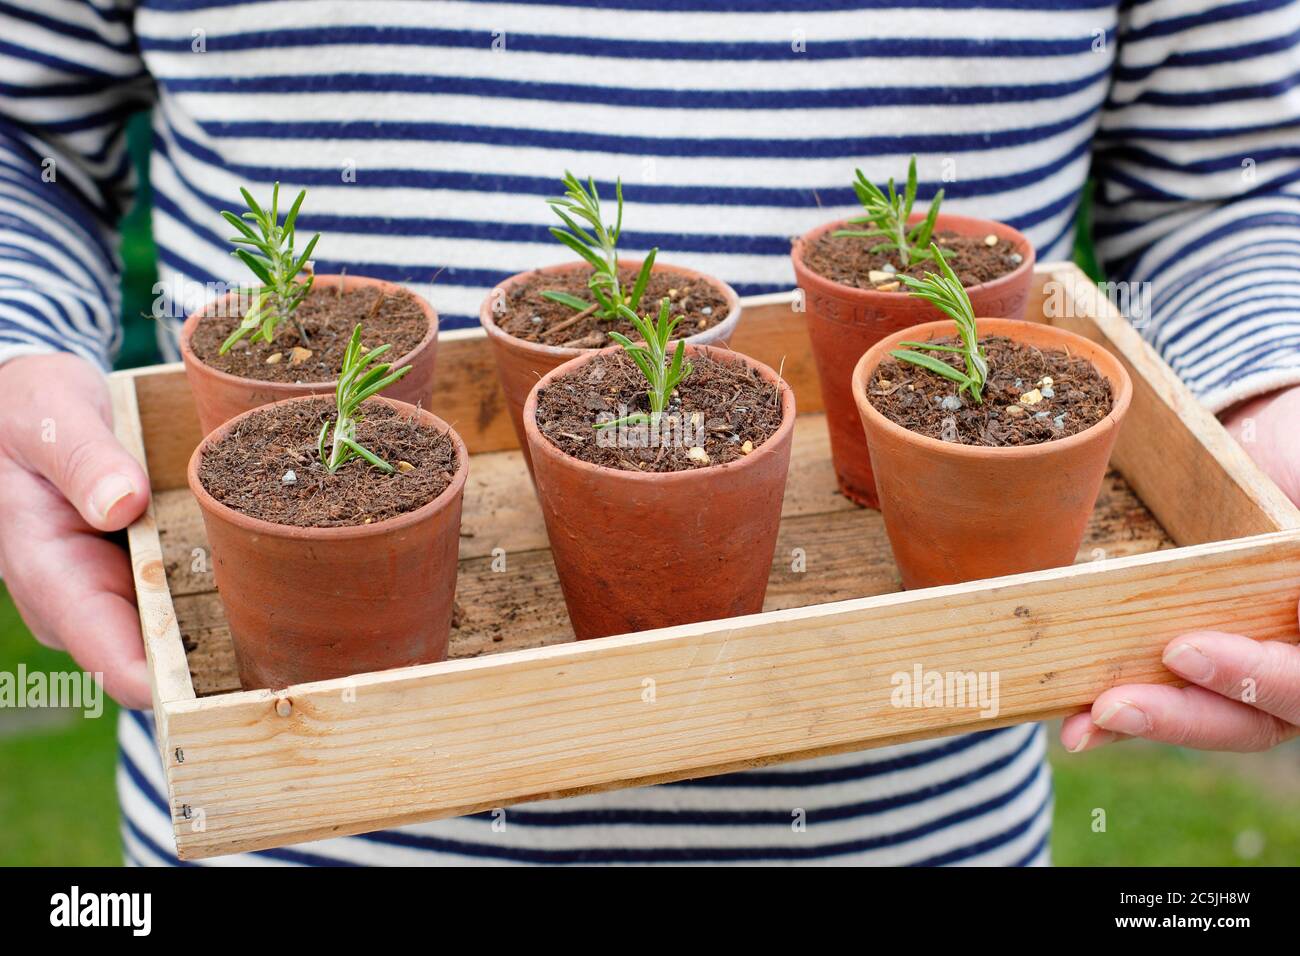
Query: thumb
(61, 428)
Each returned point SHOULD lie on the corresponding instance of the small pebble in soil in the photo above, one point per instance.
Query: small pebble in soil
(1016, 257)
(990, 240)
(274, 358)
(707, 310)
(698, 454)
(290, 478)
(1049, 392)
(746, 448)
(1059, 420)
(1031, 397)
(950, 403)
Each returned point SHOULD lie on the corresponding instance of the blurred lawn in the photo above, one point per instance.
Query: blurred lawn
(1163, 806)
(57, 800)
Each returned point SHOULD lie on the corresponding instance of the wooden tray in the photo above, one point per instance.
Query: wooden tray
(1187, 534)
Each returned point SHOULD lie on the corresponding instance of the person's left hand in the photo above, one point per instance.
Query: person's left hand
(1242, 695)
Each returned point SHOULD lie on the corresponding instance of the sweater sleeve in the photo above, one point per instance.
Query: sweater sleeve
(1198, 188)
(70, 76)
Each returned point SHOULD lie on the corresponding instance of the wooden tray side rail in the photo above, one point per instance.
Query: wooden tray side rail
(256, 769)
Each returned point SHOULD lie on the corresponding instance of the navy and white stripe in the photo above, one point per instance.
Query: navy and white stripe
(734, 126)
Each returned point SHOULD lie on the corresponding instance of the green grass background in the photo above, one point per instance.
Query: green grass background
(1162, 806)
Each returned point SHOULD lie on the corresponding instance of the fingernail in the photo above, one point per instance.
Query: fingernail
(1189, 661)
(1083, 742)
(1124, 718)
(109, 493)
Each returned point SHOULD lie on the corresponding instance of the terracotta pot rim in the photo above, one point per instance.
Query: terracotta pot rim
(377, 529)
(561, 352)
(293, 388)
(965, 225)
(788, 413)
(1121, 384)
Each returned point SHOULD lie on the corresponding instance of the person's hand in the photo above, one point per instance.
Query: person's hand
(63, 479)
(1243, 695)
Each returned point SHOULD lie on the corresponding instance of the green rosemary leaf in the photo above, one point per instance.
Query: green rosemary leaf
(932, 348)
(291, 216)
(859, 233)
(241, 225)
(930, 363)
(643, 277)
(920, 235)
(252, 203)
(621, 339)
(909, 195)
(572, 301)
(259, 267)
(577, 246)
(368, 455)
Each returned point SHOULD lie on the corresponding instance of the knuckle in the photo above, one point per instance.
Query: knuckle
(1268, 733)
(77, 466)
(1277, 674)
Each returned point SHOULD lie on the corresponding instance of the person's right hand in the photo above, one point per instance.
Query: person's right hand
(63, 480)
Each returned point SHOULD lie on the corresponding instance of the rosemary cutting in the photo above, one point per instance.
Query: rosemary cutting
(273, 260)
(948, 295)
(889, 214)
(662, 374)
(597, 243)
(355, 385)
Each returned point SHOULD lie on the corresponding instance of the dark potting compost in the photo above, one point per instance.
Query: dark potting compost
(267, 467)
(328, 316)
(727, 403)
(528, 315)
(1032, 396)
(849, 261)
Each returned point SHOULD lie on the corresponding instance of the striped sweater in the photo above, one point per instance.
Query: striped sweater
(429, 133)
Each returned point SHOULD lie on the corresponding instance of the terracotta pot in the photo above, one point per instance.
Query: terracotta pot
(520, 363)
(636, 551)
(963, 512)
(220, 396)
(844, 322)
(307, 604)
